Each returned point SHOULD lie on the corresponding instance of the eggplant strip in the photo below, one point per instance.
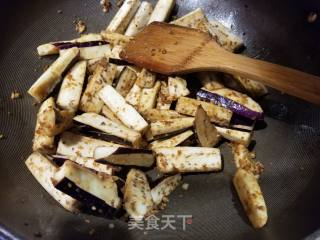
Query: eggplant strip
(92, 52)
(104, 74)
(152, 115)
(235, 135)
(217, 114)
(148, 97)
(245, 160)
(162, 11)
(105, 125)
(91, 163)
(188, 159)
(71, 88)
(115, 38)
(137, 195)
(106, 111)
(163, 101)
(177, 88)
(146, 79)
(210, 80)
(131, 157)
(164, 188)
(101, 186)
(74, 145)
(140, 19)
(134, 95)
(206, 132)
(171, 125)
(225, 38)
(251, 197)
(171, 142)
(53, 48)
(45, 119)
(125, 112)
(126, 80)
(43, 170)
(52, 76)
(121, 20)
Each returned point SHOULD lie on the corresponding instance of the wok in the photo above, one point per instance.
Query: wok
(274, 30)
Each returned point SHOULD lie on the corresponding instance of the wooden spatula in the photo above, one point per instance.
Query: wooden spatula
(170, 49)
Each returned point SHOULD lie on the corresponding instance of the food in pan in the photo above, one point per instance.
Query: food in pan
(110, 117)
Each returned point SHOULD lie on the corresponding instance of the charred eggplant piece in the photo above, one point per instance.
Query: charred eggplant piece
(206, 132)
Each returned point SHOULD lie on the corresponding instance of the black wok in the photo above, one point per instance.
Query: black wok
(289, 146)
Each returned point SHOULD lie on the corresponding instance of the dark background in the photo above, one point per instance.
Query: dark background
(289, 147)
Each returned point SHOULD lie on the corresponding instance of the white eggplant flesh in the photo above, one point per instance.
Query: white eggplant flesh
(245, 160)
(191, 19)
(126, 80)
(105, 125)
(195, 19)
(87, 53)
(137, 195)
(106, 111)
(171, 142)
(251, 197)
(146, 79)
(235, 135)
(128, 115)
(52, 76)
(152, 115)
(148, 98)
(217, 114)
(188, 159)
(224, 36)
(162, 11)
(163, 101)
(100, 185)
(115, 38)
(116, 50)
(91, 163)
(50, 48)
(134, 95)
(170, 125)
(71, 88)
(45, 122)
(240, 98)
(140, 19)
(104, 74)
(210, 80)
(121, 20)
(51, 121)
(43, 170)
(177, 88)
(164, 188)
(253, 88)
(47, 49)
(92, 65)
(74, 145)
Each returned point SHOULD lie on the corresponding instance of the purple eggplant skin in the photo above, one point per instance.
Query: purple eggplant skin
(119, 62)
(91, 204)
(67, 45)
(229, 104)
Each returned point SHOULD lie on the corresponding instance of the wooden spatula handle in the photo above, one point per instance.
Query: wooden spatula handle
(294, 82)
